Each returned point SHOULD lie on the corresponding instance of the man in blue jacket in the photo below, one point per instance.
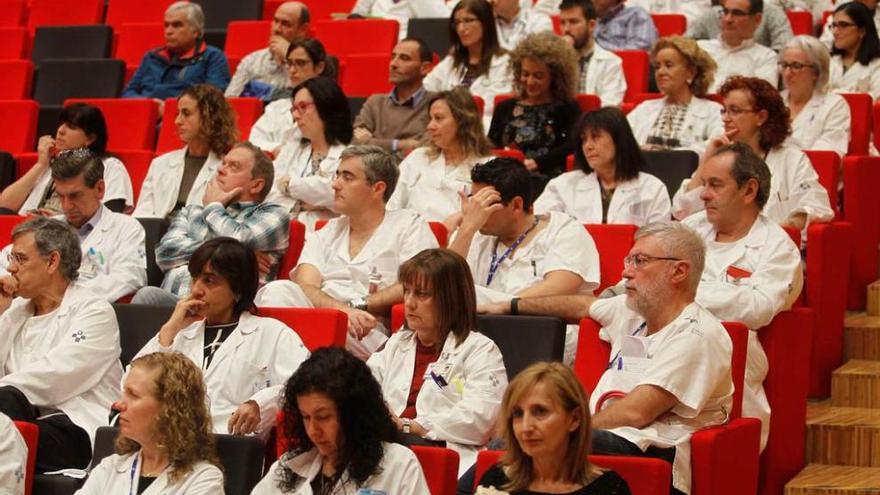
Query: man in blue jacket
(185, 59)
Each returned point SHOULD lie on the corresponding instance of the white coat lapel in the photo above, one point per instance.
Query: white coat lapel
(227, 349)
(587, 200)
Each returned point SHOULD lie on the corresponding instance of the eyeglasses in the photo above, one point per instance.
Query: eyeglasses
(298, 63)
(841, 25)
(794, 66)
(638, 261)
(464, 21)
(736, 111)
(301, 107)
(734, 12)
(18, 259)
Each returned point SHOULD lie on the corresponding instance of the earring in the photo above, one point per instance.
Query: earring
(689, 81)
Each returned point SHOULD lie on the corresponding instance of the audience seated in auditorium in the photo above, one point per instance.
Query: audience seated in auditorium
(340, 434)
(306, 58)
(692, 10)
(659, 335)
(545, 421)
(754, 114)
(773, 31)
(433, 176)
(245, 358)
(59, 358)
(623, 27)
(607, 185)
(206, 125)
(734, 50)
(164, 440)
(114, 262)
(476, 60)
(855, 54)
(13, 458)
(514, 252)
(79, 126)
(819, 120)
(684, 117)
(263, 71)
(441, 378)
(537, 120)
(401, 10)
(184, 61)
(601, 71)
(235, 205)
(351, 263)
(513, 22)
(397, 121)
(827, 35)
(305, 166)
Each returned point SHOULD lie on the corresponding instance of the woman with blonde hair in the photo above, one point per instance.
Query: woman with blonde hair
(164, 441)
(206, 124)
(545, 423)
(538, 120)
(683, 117)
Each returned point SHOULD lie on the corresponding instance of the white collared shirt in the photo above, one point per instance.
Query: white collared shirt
(526, 22)
(748, 59)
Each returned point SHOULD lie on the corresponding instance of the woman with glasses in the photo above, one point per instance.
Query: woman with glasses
(305, 166)
(305, 59)
(855, 54)
(755, 114)
(476, 60)
(819, 120)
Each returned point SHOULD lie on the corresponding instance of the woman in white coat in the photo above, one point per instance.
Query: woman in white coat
(206, 124)
(819, 120)
(431, 177)
(855, 54)
(245, 359)
(684, 118)
(476, 60)
(442, 380)
(165, 443)
(608, 185)
(339, 432)
(305, 167)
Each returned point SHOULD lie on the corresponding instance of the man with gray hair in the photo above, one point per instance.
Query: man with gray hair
(185, 59)
(659, 335)
(351, 263)
(59, 351)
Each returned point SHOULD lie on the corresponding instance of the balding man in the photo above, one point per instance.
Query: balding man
(265, 70)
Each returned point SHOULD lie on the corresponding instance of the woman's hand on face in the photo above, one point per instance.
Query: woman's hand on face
(245, 419)
(187, 311)
(531, 165)
(45, 149)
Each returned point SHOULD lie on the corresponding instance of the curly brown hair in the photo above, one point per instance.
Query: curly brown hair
(695, 57)
(183, 426)
(763, 96)
(218, 119)
(470, 135)
(556, 54)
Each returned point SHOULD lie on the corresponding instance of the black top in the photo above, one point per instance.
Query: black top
(541, 132)
(144, 482)
(609, 483)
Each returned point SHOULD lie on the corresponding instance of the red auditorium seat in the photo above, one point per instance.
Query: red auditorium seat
(120, 12)
(297, 239)
(861, 113)
(366, 74)
(669, 24)
(65, 12)
(614, 242)
(508, 153)
(18, 125)
(588, 102)
(636, 70)
(247, 111)
(317, 327)
(12, 12)
(827, 166)
(133, 40)
(244, 37)
(349, 37)
(13, 42)
(30, 432)
(801, 22)
(320, 10)
(481, 105)
(440, 466)
(18, 75)
(861, 179)
(876, 119)
(131, 122)
(137, 163)
(7, 222)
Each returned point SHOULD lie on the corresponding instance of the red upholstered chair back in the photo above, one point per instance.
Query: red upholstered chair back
(7, 223)
(18, 76)
(244, 37)
(669, 24)
(366, 74)
(636, 68)
(509, 153)
(861, 116)
(295, 245)
(133, 39)
(30, 432)
(18, 125)
(440, 466)
(348, 37)
(131, 122)
(801, 21)
(13, 42)
(137, 163)
(613, 241)
(317, 327)
(12, 12)
(64, 13)
(827, 166)
(588, 102)
(861, 179)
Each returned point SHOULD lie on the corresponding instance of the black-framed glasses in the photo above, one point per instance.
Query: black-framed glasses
(794, 66)
(735, 12)
(841, 25)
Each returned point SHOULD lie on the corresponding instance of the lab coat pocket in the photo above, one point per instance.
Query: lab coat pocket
(244, 380)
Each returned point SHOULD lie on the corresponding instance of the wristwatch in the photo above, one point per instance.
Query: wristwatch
(358, 303)
(407, 425)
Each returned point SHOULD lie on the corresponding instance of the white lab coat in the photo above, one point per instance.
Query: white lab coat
(527, 22)
(253, 363)
(823, 124)
(776, 279)
(13, 458)
(119, 474)
(462, 411)
(604, 77)
(402, 10)
(577, 194)
(73, 365)
(431, 187)
(117, 185)
(857, 79)
(748, 59)
(275, 127)
(162, 184)
(701, 122)
(114, 260)
(691, 9)
(498, 81)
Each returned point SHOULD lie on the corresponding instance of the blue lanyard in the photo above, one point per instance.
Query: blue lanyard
(496, 261)
(134, 465)
(617, 356)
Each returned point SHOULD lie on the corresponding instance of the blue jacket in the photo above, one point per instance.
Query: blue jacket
(160, 76)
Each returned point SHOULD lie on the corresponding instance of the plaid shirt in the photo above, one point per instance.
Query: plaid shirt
(260, 226)
(626, 28)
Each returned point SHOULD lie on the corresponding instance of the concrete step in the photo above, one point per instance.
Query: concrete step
(846, 436)
(856, 384)
(822, 479)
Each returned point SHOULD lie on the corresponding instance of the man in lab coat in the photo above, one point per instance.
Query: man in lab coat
(59, 351)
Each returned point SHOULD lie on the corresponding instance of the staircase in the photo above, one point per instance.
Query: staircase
(843, 432)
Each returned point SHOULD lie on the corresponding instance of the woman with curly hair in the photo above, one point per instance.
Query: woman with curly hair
(206, 124)
(432, 176)
(545, 422)
(537, 121)
(755, 114)
(306, 166)
(165, 442)
(683, 117)
(339, 432)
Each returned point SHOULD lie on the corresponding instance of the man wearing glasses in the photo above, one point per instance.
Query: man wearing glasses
(774, 29)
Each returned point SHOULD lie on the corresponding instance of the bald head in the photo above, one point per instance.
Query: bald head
(291, 21)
